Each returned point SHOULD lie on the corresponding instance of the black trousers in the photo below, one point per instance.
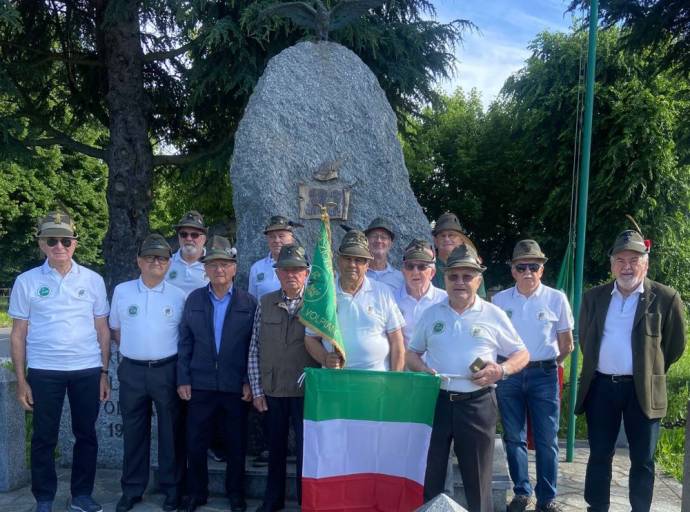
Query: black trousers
(200, 414)
(472, 425)
(607, 402)
(140, 388)
(49, 388)
(282, 411)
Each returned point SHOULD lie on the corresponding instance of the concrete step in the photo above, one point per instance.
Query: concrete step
(255, 479)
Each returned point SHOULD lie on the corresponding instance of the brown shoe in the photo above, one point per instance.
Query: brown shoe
(519, 503)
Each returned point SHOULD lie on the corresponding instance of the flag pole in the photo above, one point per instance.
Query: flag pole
(582, 216)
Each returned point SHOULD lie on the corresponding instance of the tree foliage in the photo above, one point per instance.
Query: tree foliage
(155, 76)
(660, 24)
(508, 172)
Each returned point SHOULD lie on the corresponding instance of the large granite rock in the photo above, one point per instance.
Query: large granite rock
(441, 503)
(13, 467)
(316, 104)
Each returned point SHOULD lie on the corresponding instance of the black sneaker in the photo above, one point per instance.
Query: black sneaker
(214, 455)
(519, 503)
(551, 506)
(83, 504)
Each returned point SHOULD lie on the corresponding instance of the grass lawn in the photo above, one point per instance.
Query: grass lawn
(671, 448)
(5, 320)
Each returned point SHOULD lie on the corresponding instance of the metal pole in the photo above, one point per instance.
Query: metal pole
(582, 214)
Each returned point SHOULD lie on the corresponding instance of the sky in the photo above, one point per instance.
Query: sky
(506, 27)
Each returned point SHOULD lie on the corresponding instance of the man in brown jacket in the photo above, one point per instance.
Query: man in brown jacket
(631, 331)
(277, 358)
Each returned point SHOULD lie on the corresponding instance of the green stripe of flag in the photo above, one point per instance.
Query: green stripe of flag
(368, 395)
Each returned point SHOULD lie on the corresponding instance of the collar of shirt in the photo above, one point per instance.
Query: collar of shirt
(141, 286)
(47, 269)
(269, 259)
(536, 293)
(215, 299)
(476, 306)
(366, 287)
(389, 268)
(616, 291)
(177, 257)
(429, 295)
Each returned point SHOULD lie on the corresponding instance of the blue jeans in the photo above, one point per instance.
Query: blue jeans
(534, 390)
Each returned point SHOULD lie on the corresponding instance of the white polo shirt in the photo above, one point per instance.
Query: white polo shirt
(263, 278)
(412, 308)
(61, 312)
(615, 352)
(186, 276)
(390, 276)
(148, 319)
(537, 318)
(365, 320)
(452, 341)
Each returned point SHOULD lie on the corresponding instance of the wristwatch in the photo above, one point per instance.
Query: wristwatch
(505, 372)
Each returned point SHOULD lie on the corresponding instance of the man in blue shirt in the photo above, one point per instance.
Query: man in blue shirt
(217, 380)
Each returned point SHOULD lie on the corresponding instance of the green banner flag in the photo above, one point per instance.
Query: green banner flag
(319, 312)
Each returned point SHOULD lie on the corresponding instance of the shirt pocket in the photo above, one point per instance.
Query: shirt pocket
(547, 321)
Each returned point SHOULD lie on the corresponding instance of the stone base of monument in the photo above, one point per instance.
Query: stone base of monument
(255, 479)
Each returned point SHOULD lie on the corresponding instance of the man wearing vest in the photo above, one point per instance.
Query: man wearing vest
(215, 331)
(144, 319)
(631, 331)
(277, 358)
(60, 332)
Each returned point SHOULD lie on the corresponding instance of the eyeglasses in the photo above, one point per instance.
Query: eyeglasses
(465, 278)
(189, 234)
(52, 242)
(522, 267)
(219, 266)
(157, 259)
(419, 266)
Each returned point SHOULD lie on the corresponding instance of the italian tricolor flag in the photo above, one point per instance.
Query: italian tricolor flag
(366, 438)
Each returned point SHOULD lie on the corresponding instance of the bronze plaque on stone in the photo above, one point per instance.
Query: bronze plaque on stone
(310, 197)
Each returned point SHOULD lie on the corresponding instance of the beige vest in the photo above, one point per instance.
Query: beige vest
(282, 354)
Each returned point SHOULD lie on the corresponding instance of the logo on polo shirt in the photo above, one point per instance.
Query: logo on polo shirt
(43, 291)
(476, 331)
(172, 274)
(260, 276)
(81, 292)
(541, 315)
(438, 327)
(133, 310)
(509, 312)
(168, 311)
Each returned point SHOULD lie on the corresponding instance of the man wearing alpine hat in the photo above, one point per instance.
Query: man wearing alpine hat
(60, 332)
(369, 319)
(631, 331)
(543, 319)
(215, 332)
(262, 274)
(381, 236)
(186, 270)
(277, 358)
(462, 337)
(144, 318)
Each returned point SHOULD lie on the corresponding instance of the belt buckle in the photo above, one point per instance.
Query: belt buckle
(616, 379)
(454, 397)
(151, 363)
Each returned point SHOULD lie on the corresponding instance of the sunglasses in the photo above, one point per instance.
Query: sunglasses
(419, 266)
(52, 242)
(189, 234)
(157, 259)
(522, 267)
(465, 278)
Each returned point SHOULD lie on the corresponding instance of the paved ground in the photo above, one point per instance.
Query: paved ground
(667, 492)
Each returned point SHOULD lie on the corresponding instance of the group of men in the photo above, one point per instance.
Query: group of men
(202, 350)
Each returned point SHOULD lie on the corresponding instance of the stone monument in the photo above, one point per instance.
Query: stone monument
(318, 129)
(441, 503)
(13, 467)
